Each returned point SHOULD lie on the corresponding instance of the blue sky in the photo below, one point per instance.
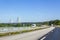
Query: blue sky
(29, 10)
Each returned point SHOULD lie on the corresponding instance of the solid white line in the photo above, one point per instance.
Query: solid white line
(43, 38)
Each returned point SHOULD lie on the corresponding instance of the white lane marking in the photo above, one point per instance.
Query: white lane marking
(43, 38)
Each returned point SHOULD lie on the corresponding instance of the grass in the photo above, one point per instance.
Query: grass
(19, 32)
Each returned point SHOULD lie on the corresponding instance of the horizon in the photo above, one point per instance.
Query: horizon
(29, 10)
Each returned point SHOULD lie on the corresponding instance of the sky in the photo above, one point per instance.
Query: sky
(29, 10)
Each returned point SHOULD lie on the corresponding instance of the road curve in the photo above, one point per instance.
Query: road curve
(53, 35)
(35, 35)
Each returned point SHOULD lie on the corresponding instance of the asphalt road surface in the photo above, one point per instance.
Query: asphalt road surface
(35, 35)
(53, 35)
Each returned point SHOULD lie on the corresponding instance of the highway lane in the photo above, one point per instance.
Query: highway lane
(53, 35)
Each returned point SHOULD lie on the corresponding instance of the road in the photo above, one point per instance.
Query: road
(53, 35)
(35, 35)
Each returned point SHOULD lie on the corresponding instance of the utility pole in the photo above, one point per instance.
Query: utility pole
(10, 21)
(18, 20)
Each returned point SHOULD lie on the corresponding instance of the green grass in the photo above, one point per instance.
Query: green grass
(19, 32)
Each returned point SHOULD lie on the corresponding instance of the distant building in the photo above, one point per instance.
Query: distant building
(33, 25)
(51, 25)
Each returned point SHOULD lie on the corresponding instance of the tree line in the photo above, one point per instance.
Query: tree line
(54, 22)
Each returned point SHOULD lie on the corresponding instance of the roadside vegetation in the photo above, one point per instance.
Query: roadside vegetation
(54, 22)
(27, 24)
(22, 31)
